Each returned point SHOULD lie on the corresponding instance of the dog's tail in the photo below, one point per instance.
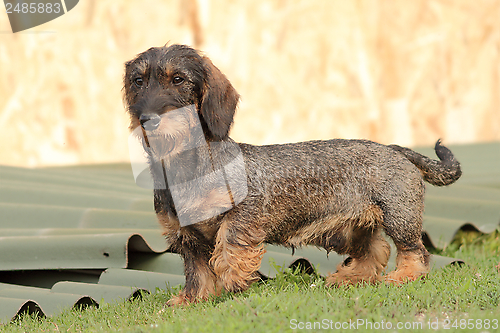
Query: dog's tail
(440, 173)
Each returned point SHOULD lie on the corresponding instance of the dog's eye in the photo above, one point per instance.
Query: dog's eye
(177, 80)
(138, 81)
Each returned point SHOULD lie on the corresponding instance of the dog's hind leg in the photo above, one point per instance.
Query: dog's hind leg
(238, 254)
(368, 250)
(412, 260)
(365, 263)
(403, 215)
(410, 265)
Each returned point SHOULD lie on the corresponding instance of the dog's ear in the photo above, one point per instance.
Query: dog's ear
(218, 101)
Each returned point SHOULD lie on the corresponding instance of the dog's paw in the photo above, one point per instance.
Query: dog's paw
(401, 276)
(355, 271)
(179, 300)
(341, 280)
(335, 280)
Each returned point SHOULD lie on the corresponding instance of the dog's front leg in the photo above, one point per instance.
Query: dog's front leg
(238, 254)
(200, 278)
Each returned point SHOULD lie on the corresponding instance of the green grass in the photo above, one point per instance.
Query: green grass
(457, 295)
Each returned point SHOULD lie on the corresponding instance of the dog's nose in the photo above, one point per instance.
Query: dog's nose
(149, 122)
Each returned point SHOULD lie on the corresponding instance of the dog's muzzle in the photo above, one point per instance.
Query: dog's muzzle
(149, 122)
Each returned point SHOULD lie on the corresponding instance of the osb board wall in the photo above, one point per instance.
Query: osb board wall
(405, 72)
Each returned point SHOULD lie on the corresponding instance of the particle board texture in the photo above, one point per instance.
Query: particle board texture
(87, 235)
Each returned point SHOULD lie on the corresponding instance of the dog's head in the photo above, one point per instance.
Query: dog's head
(163, 79)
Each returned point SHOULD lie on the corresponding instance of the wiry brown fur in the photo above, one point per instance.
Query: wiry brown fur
(236, 263)
(366, 267)
(411, 266)
(336, 194)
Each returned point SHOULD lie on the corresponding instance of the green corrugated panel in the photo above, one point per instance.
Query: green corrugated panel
(140, 279)
(88, 234)
(14, 298)
(98, 292)
(113, 285)
(76, 250)
(29, 216)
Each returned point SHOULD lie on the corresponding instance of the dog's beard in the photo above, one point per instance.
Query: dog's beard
(178, 131)
(160, 146)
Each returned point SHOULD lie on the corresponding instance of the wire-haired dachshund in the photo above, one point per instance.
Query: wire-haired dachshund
(220, 201)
